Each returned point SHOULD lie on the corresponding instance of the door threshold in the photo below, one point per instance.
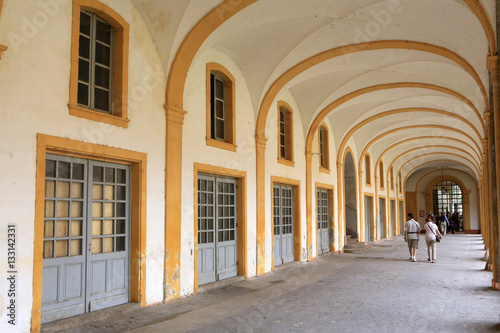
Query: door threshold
(219, 284)
(284, 266)
(75, 321)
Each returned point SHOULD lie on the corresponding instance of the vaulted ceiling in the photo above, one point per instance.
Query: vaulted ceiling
(408, 79)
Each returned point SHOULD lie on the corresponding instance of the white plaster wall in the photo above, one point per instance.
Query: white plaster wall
(34, 90)
(273, 168)
(324, 178)
(195, 150)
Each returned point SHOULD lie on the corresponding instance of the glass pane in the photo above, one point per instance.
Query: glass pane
(219, 109)
(77, 190)
(103, 32)
(109, 209)
(63, 189)
(83, 71)
(76, 228)
(102, 54)
(62, 229)
(121, 176)
(120, 243)
(210, 237)
(109, 192)
(96, 227)
(120, 226)
(121, 209)
(110, 175)
(101, 99)
(219, 126)
(76, 247)
(49, 208)
(50, 188)
(97, 192)
(61, 248)
(48, 230)
(48, 249)
(77, 171)
(50, 168)
(109, 244)
(108, 227)
(97, 209)
(219, 89)
(63, 170)
(96, 245)
(76, 209)
(203, 238)
(97, 174)
(84, 23)
(83, 94)
(63, 209)
(121, 193)
(101, 77)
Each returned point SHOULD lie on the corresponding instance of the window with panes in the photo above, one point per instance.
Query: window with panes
(283, 133)
(323, 147)
(218, 107)
(95, 63)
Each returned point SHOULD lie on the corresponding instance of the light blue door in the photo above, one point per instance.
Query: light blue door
(381, 217)
(86, 237)
(368, 217)
(323, 216)
(217, 228)
(391, 228)
(283, 224)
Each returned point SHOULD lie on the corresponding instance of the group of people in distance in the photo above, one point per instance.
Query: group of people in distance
(432, 232)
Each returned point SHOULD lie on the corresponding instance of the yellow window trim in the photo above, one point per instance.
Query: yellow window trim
(2, 47)
(324, 170)
(120, 73)
(230, 107)
(286, 162)
(51, 144)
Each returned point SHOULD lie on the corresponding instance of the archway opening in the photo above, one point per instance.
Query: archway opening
(351, 213)
(447, 198)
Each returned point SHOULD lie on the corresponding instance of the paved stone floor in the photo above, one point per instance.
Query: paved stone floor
(378, 290)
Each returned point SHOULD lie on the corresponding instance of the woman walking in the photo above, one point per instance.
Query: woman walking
(431, 230)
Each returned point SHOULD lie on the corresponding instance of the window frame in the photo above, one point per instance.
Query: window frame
(288, 159)
(119, 116)
(381, 174)
(229, 141)
(368, 174)
(324, 148)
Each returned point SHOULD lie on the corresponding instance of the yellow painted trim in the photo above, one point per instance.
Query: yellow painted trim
(241, 202)
(230, 104)
(120, 71)
(331, 222)
(191, 44)
(380, 167)
(1, 6)
(297, 231)
(355, 48)
(324, 170)
(289, 160)
(478, 10)
(173, 202)
(2, 49)
(51, 144)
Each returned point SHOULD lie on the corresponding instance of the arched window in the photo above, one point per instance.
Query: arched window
(400, 183)
(368, 174)
(99, 64)
(285, 134)
(324, 148)
(220, 108)
(392, 178)
(381, 173)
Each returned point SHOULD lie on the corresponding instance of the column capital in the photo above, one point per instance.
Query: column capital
(260, 141)
(174, 114)
(2, 49)
(492, 64)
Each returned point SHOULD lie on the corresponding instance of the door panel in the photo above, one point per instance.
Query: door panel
(381, 217)
(217, 228)
(368, 218)
(283, 224)
(86, 225)
(323, 217)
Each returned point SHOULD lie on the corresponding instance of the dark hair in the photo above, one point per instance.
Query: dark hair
(410, 215)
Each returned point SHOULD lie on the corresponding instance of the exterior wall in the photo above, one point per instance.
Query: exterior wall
(29, 69)
(195, 150)
(296, 172)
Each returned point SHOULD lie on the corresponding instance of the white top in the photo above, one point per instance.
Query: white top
(430, 231)
(413, 228)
